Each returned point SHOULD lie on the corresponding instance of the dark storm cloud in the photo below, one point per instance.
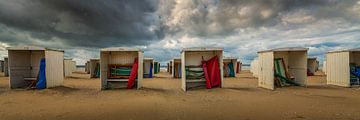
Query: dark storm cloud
(84, 22)
(213, 18)
(163, 27)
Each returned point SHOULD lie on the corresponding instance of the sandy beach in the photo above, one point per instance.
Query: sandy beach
(161, 98)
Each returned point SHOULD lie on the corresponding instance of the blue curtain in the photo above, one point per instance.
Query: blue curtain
(151, 69)
(231, 71)
(41, 83)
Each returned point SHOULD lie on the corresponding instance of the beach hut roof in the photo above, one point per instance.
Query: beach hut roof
(32, 48)
(346, 50)
(202, 49)
(231, 58)
(120, 49)
(285, 49)
(148, 58)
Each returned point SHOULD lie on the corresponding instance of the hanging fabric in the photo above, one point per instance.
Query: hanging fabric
(355, 75)
(151, 69)
(97, 73)
(231, 70)
(237, 67)
(206, 74)
(41, 82)
(212, 72)
(281, 73)
(133, 74)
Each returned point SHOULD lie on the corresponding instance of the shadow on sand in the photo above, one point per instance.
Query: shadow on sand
(240, 88)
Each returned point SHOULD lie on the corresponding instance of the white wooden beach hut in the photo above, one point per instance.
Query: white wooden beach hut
(191, 59)
(24, 66)
(68, 67)
(176, 68)
(148, 67)
(312, 66)
(254, 67)
(343, 67)
(116, 65)
(290, 63)
(94, 68)
(229, 64)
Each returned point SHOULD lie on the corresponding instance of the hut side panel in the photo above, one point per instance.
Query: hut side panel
(20, 67)
(6, 67)
(54, 68)
(254, 68)
(266, 70)
(338, 69)
(122, 57)
(68, 67)
(183, 76)
(140, 76)
(73, 64)
(104, 61)
(297, 66)
(36, 56)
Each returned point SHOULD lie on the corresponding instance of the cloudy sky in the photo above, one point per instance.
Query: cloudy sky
(163, 27)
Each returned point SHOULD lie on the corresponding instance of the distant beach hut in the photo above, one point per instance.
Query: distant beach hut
(148, 67)
(254, 67)
(230, 64)
(312, 66)
(74, 65)
(156, 67)
(121, 68)
(343, 67)
(171, 67)
(282, 67)
(6, 66)
(201, 67)
(1, 65)
(238, 66)
(68, 67)
(35, 67)
(176, 63)
(94, 66)
(168, 67)
(87, 67)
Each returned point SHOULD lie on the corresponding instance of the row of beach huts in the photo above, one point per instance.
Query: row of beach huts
(40, 68)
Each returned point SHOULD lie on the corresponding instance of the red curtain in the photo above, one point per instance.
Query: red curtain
(133, 74)
(206, 74)
(212, 72)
